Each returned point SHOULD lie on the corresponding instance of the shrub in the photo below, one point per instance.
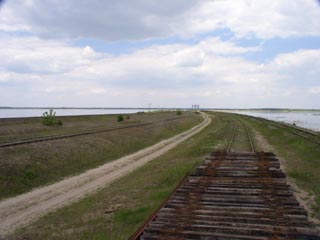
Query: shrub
(120, 118)
(49, 119)
(30, 175)
(179, 112)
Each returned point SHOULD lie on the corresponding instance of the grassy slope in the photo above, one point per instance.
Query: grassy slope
(22, 128)
(25, 167)
(300, 156)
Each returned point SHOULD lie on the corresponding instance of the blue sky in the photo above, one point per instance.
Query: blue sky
(224, 54)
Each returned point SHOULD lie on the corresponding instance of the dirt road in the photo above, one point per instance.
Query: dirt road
(19, 211)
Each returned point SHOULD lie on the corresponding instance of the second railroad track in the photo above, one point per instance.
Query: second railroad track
(232, 195)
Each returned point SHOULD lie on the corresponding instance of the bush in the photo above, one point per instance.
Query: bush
(179, 112)
(30, 175)
(49, 119)
(120, 118)
(128, 116)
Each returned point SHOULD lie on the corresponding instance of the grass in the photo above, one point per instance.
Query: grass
(301, 158)
(24, 128)
(116, 211)
(28, 166)
(119, 209)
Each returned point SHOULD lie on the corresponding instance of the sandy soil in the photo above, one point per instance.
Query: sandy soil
(21, 210)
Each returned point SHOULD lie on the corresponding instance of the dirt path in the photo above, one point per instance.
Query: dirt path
(19, 211)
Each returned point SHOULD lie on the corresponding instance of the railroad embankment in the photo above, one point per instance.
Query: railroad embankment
(20, 210)
(34, 155)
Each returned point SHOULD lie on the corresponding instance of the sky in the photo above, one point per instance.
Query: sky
(136, 53)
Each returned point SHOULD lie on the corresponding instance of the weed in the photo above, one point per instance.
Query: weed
(120, 118)
(58, 159)
(30, 175)
(49, 119)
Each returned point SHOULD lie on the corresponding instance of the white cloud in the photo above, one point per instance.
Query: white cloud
(315, 90)
(263, 19)
(171, 75)
(299, 59)
(141, 20)
(216, 46)
(32, 55)
(111, 20)
(299, 68)
(46, 69)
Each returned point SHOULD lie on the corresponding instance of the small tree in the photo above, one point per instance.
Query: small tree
(120, 118)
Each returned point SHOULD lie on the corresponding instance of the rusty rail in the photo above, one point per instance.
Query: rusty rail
(95, 131)
(232, 137)
(249, 136)
(140, 230)
(232, 196)
(252, 149)
(308, 135)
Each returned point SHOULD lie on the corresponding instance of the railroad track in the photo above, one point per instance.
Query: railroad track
(232, 195)
(236, 132)
(83, 133)
(308, 135)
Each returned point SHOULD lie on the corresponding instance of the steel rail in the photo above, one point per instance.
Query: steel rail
(232, 136)
(137, 234)
(282, 124)
(293, 130)
(222, 199)
(249, 137)
(49, 138)
(231, 141)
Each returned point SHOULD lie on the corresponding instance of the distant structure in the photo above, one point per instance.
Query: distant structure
(195, 107)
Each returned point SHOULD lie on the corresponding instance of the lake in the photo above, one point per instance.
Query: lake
(305, 119)
(16, 113)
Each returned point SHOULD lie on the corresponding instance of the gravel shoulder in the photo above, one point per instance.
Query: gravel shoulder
(19, 211)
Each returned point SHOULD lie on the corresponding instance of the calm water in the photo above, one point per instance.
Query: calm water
(15, 113)
(304, 119)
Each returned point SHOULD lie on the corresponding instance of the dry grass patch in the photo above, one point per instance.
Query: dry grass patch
(25, 167)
